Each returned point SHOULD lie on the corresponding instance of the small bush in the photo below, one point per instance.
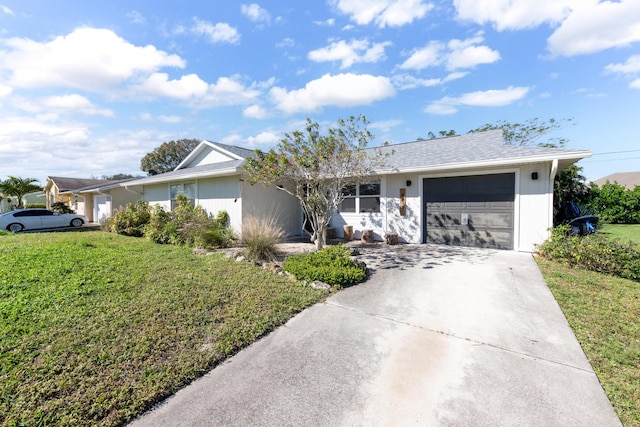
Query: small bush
(188, 225)
(332, 265)
(595, 252)
(36, 205)
(260, 236)
(61, 207)
(132, 220)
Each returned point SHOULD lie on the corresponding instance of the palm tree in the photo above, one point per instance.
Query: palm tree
(18, 187)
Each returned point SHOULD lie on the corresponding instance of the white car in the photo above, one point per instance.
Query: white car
(33, 219)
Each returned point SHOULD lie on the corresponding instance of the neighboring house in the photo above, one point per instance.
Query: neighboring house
(60, 189)
(98, 201)
(93, 198)
(470, 190)
(628, 180)
(36, 198)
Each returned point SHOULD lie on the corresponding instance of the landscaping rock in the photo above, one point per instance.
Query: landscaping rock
(317, 284)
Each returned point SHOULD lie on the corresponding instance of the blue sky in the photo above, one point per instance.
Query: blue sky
(88, 88)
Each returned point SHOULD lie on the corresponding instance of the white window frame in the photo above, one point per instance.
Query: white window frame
(357, 197)
(181, 190)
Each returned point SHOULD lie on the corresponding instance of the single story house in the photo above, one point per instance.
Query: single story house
(93, 198)
(470, 190)
(98, 202)
(629, 180)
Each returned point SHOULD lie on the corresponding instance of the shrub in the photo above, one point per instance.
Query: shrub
(36, 205)
(615, 204)
(260, 236)
(132, 220)
(61, 207)
(188, 225)
(332, 265)
(595, 252)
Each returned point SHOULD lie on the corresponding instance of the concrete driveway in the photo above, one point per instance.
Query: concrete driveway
(438, 336)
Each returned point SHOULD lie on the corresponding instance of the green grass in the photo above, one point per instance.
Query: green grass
(95, 327)
(622, 232)
(604, 313)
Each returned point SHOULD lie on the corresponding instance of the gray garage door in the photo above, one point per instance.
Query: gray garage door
(470, 210)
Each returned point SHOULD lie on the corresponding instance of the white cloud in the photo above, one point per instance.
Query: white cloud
(406, 81)
(220, 32)
(349, 53)
(428, 56)
(326, 23)
(76, 104)
(383, 13)
(255, 13)
(386, 125)
(595, 26)
(170, 119)
(231, 91)
(263, 138)
(632, 65)
(454, 55)
(255, 112)
(487, 98)
(6, 10)
(514, 14)
(286, 42)
(5, 91)
(630, 68)
(87, 58)
(136, 17)
(342, 90)
(188, 86)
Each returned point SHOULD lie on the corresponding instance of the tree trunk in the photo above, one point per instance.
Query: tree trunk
(321, 237)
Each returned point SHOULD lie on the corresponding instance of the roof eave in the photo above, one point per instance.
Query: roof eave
(572, 156)
(196, 175)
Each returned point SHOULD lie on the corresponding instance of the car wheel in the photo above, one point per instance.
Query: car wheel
(15, 227)
(76, 222)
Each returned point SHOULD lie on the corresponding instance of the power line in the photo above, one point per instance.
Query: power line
(617, 152)
(608, 160)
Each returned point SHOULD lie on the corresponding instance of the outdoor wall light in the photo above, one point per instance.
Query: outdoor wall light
(408, 183)
(534, 175)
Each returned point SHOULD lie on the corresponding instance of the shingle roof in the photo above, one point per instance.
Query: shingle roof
(204, 170)
(469, 149)
(238, 151)
(69, 184)
(626, 179)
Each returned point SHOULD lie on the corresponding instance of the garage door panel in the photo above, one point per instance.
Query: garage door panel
(486, 202)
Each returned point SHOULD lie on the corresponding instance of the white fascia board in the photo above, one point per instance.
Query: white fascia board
(196, 151)
(573, 155)
(184, 177)
(228, 153)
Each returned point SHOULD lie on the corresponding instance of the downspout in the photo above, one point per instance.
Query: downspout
(126, 187)
(552, 177)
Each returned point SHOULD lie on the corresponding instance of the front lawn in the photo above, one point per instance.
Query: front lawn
(622, 232)
(95, 327)
(604, 313)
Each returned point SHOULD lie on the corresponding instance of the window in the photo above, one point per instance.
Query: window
(188, 190)
(362, 198)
